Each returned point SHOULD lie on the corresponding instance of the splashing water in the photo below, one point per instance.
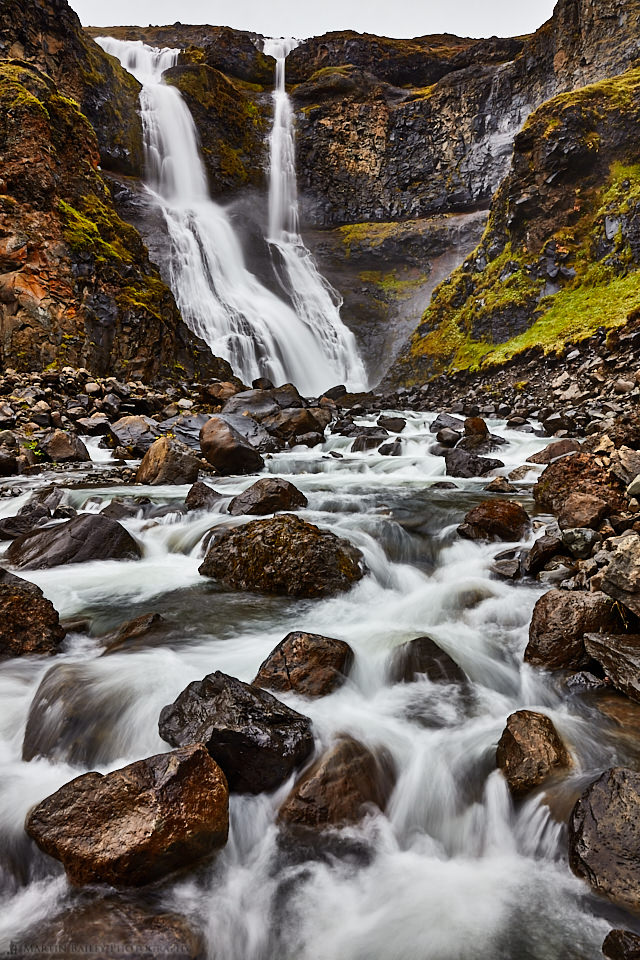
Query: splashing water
(220, 299)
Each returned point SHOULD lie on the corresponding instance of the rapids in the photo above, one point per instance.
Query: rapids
(453, 871)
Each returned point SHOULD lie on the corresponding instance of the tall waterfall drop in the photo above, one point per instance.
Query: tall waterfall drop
(220, 299)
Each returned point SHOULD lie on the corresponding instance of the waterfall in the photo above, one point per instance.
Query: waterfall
(259, 333)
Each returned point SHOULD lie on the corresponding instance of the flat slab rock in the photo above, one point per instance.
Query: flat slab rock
(286, 556)
(137, 824)
(307, 664)
(529, 751)
(619, 657)
(87, 537)
(257, 740)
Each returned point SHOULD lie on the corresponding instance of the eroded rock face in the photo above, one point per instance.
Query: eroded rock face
(257, 740)
(137, 824)
(495, 520)
(340, 788)
(227, 450)
(622, 577)
(284, 555)
(29, 623)
(268, 495)
(168, 461)
(86, 537)
(422, 657)
(619, 656)
(604, 836)
(307, 664)
(559, 624)
(529, 751)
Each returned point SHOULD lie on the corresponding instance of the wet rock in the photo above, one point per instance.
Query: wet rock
(130, 634)
(96, 928)
(507, 565)
(559, 448)
(284, 555)
(444, 420)
(202, 497)
(447, 438)
(227, 450)
(137, 824)
(392, 424)
(578, 473)
(543, 550)
(529, 751)
(29, 623)
(580, 542)
(168, 462)
(622, 576)
(63, 447)
(307, 664)
(268, 495)
(619, 657)
(604, 836)
(135, 433)
(126, 508)
(257, 740)
(257, 404)
(9, 466)
(87, 537)
(186, 429)
(500, 485)
(495, 520)
(30, 516)
(368, 441)
(423, 657)
(341, 787)
(622, 945)
(290, 425)
(220, 391)
(559, 623)
(466, 465)
(582, 510)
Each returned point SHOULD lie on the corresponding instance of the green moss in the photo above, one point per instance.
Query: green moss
(93, 232)
(393, 286)
(367, 234)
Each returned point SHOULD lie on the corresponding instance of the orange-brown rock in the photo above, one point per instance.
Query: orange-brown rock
(559, 623)
(307, 664)
(168, 461)
(495, 520)
(530, 751)
(579, 473)
(29, 623)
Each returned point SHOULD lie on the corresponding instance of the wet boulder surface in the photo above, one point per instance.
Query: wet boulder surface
(168, 461)
(530, 751)
(227, 450)
(307, 664)
(559, 624)
(619, 657)
(257, 740)
(29, 623)
(85, 538)
(495, 520)
(267, 495)
(423, 657)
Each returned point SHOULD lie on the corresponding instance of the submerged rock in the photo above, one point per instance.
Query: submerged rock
(284, 555)
(29, 623)
(529, 751)
(227, 450)
(137, 824)
(87, 537)
(423, 657)
(257, 740)
(495, 520)
(559, 623)
(168, 461)
(267, 495)
(307, 664)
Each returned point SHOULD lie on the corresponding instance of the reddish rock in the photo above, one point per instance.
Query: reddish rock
(267, 495)
(29, 623)
(307, 664)
(227, 450)
(530, 751)
(168, 461)
(579, 473)
(559, 623)
(582, 510)
(495, 520)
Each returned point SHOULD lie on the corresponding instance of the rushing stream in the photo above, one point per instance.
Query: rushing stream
(453, 871)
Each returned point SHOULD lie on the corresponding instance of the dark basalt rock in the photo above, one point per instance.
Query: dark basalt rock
(136, 433)
(619, 657)
(422, 657)
(341, 787)
(284, 555)
(465, 465)
(604, 836)
(370, 440)
(392, 424)
(444, 421)
(168, 462)
(622, 945)
(307, 664)
(268, 495)
(495, 520)
(529, 751)
(257, 740)
(292, 424)
(87, 537)
(137, 824)
(202, 497)
(227, 450)
(559, 624)
(29, 623)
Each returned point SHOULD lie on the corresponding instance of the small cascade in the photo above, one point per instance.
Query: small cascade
(259, 333)
(313, 298)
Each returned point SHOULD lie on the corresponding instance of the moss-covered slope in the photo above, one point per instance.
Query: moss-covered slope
(561, 253)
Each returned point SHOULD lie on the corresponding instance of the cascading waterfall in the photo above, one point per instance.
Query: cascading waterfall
(220, 299)
(312, 296)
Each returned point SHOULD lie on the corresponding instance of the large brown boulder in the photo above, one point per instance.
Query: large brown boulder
(559, 623)
(622, 576)
(604, 836)
(530, 751)
(290, 425)
(267, 495)
(86, 537)
(284, 555)
(495, 520)
(339, 789)
(257, 740)
(582, 510)
(579, 473)
(622, 945)
(307, 664)
(168, 461)
(423, 657)
(29, 623)
(137, 824)
(63, 447)
(227, 450)
(619, 657)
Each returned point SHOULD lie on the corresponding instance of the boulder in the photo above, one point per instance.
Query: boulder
(495, 520)
(559, 448)
(579, 473)
(284, 555)
(581, 541)
(445, 420)
(256, 739)
(447, 438)
(392, 424)
(604, 837)
(168, 461)
(559, 623)
(136, 434)
(423, 657)
(30, 516)
(186, 428)
(219, 392)
(202, 497)
(307, 664)
(267, 495)
(340, 788)
(622, 576)
(622, 945)
(290, 425)
(619, 657)
(85, 538)
(500, 485)
(466, 465)
(369, 441)
(543, 550)
(393, 449)
(530, 751)
(256, 404)
(9, 466)
(29, 623)
(227, 450)
(137, 824)
(582, 510)
(63, 447)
